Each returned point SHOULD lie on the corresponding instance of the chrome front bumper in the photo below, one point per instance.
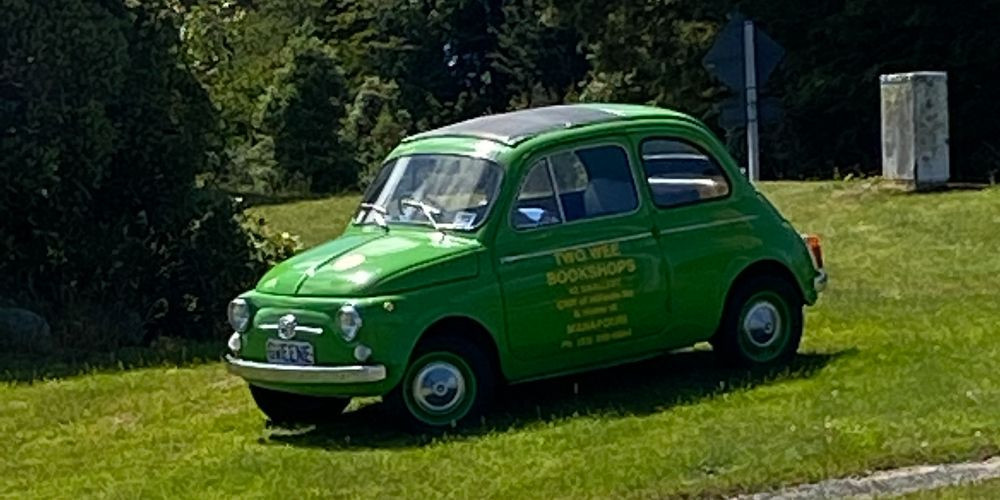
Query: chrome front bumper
(291, 374)
(820, 281)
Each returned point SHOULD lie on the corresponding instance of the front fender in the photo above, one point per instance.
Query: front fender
(418, 310)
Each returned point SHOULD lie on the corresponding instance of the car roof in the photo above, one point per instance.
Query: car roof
(515, 127)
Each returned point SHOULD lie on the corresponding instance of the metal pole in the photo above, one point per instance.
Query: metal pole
(750, 66)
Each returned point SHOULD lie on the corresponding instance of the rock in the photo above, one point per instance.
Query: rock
(24, 331)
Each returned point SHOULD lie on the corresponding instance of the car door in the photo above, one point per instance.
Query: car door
(702, 226)
(578, 260)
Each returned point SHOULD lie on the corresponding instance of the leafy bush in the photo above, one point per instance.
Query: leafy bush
(104, 132)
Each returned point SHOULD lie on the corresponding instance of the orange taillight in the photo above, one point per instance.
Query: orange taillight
(815, 248)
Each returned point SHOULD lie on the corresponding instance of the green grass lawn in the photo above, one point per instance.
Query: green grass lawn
(899, 366)
(985, 490)
(314, 221)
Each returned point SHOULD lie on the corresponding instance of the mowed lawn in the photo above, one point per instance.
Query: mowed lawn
(900, 365)
(985, 490)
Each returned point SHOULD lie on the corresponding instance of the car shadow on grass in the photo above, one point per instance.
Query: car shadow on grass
(641, 388)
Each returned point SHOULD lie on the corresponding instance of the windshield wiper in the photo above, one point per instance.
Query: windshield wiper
(380, 213)
(428, 210)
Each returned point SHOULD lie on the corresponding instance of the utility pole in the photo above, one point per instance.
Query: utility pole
(743, 58)
(750, 67)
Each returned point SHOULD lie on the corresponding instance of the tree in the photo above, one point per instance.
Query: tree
(440, 53)
(306, 123)
(243, 53)
(539, 52)
(375, 124)
(648, 52)
(104, 132)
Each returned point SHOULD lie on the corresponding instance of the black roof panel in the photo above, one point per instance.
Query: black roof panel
(516, 126)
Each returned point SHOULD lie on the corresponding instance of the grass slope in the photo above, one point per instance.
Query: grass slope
(898, 368)
(314, 221)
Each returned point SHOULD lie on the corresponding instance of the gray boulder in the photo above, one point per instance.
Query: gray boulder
(24, 331)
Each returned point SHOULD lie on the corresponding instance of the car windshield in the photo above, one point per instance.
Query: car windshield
(443, 191)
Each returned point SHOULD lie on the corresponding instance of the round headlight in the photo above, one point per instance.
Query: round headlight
(350, 322)
(239, 315)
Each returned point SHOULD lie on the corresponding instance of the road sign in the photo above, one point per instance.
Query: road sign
(743, 58)
(726, 59)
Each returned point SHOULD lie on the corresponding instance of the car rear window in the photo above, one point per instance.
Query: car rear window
(680, 174)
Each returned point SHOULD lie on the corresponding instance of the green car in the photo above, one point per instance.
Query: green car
(520, 246)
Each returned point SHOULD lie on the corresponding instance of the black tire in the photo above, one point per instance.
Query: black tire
(459, 379)
(749, 335)
(287, 408)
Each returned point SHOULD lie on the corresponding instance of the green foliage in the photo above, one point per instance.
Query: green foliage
(375, 124)
(648, 52)
(48, 175)
(450, 60)
(440, 54)
(243, 55)
(538, 52)
(306, 123)
(104, 135)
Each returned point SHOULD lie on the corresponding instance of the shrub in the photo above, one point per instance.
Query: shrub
(104, 132)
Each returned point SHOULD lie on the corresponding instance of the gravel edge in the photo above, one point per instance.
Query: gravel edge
(888, 483)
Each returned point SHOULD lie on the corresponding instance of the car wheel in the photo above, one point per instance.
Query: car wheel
(761, 323)
(287, 408)
(450, 381)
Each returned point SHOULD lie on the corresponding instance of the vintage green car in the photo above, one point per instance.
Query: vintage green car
(526, 245)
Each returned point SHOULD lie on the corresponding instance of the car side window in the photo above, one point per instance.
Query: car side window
(680, 174)
(594, 182)
(536, 203)
(588, 182)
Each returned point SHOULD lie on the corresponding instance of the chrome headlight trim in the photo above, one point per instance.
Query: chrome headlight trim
(239, 315)
(350, 322)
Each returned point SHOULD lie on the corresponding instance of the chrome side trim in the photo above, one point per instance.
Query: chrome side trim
(298, 329)
(524, 256)
(254, 371)
(705, 225)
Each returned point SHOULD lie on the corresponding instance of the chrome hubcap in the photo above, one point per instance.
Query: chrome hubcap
(438, 387)
(762, 324)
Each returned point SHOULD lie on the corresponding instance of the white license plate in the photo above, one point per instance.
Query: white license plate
(287, 352)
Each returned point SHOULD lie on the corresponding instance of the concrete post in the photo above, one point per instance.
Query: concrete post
(915, 129)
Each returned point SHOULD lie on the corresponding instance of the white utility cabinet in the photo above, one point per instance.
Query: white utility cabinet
(915, 128)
